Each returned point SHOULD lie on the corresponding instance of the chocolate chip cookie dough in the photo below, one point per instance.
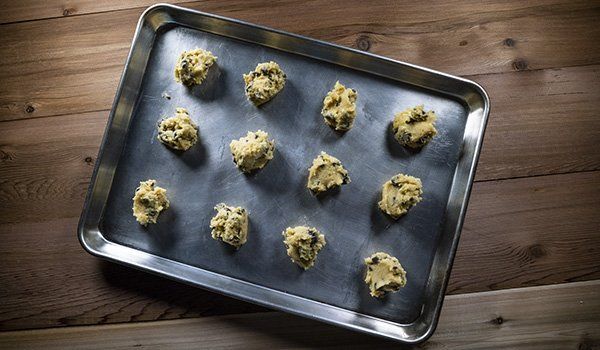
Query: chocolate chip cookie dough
(178, 132)
(264, 82)
(339, 107)
(384, 274)
(253, 151)
(303, 244)
(148, 202)
(326, 172)
(414, 127)
(192, 66)
(230, 225)
(399, 194)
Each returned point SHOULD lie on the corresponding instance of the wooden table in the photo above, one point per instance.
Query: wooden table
(527, 271)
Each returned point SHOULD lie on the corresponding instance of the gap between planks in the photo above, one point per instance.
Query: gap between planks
(564, 316)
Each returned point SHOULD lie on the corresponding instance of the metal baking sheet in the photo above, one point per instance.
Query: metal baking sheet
(179, 246)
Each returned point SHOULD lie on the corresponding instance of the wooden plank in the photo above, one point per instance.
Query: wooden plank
(529, 231)
(48, 280)
(46, 165)
(27, 10)
(46, 176)
(551, 317)
(69, 65)
(517, 232)
(541, 122)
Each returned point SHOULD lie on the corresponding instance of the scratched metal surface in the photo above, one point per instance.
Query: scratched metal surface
(276, 197)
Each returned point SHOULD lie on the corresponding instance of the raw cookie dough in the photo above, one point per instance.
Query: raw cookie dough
(230, 225)
(326, 172)
(178, 132)
(264, 82)
(399, 194)
(303, 244)
(253, 151)
(149, 200)
(192, 66)
(414, 127)
(339, 107)
(384, 274)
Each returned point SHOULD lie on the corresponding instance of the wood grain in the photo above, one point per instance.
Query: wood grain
(27, 10)
(539, 62)
(76, 65)
(46, 165)
(529, 231)
(519, 232)
(551, 317)
(542, 122)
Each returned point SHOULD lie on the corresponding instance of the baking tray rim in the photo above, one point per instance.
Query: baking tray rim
(92, 240)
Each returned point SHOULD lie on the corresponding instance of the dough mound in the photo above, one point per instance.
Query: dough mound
(326, 172)
(303, 244)
(178, 132)
(149, 200)
(230, 225)
(384, 274)
(253, 151)
(192, 66)
(264, 82)
(339, 107)
(414, 127)
(399, 194)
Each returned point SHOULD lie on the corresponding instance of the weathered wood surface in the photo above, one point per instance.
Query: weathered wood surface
(28, 10)
(544, 123)
(76, 66)
(518, 232)
(532, 220)
(549, 317)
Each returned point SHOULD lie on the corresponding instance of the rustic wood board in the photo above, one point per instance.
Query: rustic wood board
(533, 217)
(565, 316)
(76, 66)
(515, 234)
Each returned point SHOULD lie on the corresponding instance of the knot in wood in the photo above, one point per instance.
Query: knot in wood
(519, 64)
(363, 43)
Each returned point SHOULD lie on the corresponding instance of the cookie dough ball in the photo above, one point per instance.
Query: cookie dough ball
(399, 194)
(253, 151)
(384, 274)
(326, 172)
(148, 202)
(178, 132)
(192, 66)
(339, 107)
(230, 225)
(264, 82)
(414, 127)
(303, 244)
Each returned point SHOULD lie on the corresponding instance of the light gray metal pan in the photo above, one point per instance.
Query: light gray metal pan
(179, 246)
